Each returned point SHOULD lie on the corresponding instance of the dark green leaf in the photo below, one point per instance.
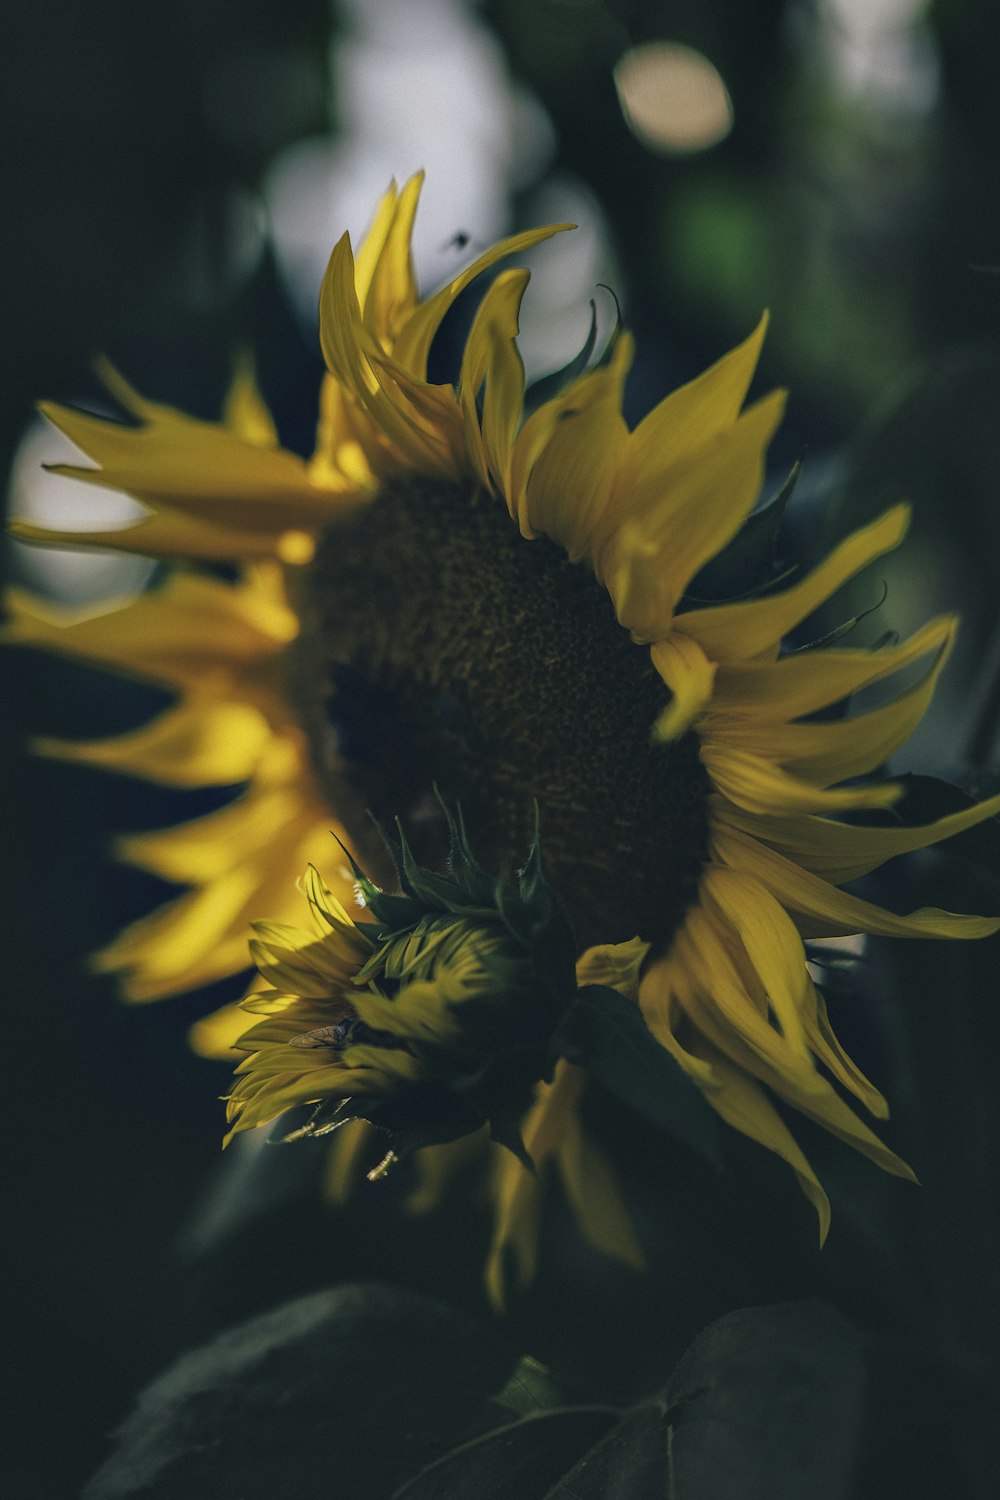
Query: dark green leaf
(606, 1033)
(346, 1392)
(519, 1462)
(767, 1405)
(632, 1462)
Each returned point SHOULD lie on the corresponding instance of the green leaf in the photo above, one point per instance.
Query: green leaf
(767, 1405)
(606, 1034)
(519, 1462)
(632, 1462)
(346, 1392)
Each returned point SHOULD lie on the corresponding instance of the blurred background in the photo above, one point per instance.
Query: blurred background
(173, 180)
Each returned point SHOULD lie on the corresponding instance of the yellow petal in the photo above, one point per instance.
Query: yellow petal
(731, 1092)
(772, 945)
(689, 417)
(730, 631)
(203, 936)
(678, 519)
(836, 749)
(614, 965)
(690, 676)
(201, 850)
(166, 536)
(717, 992)
(491, 357)
(373, 242)
(190, 465)
(437, 1166)
(518, 1192)
(595, 1198)
(391, 295)
(757, 786)
(743, 1104)
(809, 680)
(176, 635)
(567, 457)
(214, 1036)
(351, 354)
(845, 851)
(413, 344)
(245, 411)
(195, 744)
(823, 911)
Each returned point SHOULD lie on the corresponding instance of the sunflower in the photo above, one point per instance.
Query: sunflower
(458, 592)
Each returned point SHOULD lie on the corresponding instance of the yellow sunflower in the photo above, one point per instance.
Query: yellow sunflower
(455, 593)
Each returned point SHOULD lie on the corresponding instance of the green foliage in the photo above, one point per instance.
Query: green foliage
(376, 1394)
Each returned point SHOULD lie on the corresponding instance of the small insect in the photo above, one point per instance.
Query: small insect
(459, 241)
(343, 1034)
(338, 1036)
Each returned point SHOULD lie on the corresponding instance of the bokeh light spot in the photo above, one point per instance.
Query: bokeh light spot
(673, 99)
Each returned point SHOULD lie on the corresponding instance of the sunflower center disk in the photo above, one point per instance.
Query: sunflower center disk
(438, 647)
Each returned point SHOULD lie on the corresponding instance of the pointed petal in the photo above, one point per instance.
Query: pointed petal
(686, 419)
(492, 358)
(823, 911)
(567, 459)
(734, 1096)
(746, 629)
(193, 745)
(846, 851)
(718, 994)
(677, 519)
(413, 344)
(809, 680)
(216, 1035)
(190, 465)
(177, 635)
(392, 293)
(518, 1192)
(834, 750)
(245, 411)
(757, 786)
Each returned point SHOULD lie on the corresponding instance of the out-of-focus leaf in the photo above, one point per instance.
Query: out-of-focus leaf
(766, 1405)
(530, 1388)
(346, 1392)
(606, 1033)
(632, 1463)
(519, 1462)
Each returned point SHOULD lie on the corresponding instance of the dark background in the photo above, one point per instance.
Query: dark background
(866, 215)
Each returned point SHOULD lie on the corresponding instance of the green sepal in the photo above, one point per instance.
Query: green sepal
(606, 1034)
